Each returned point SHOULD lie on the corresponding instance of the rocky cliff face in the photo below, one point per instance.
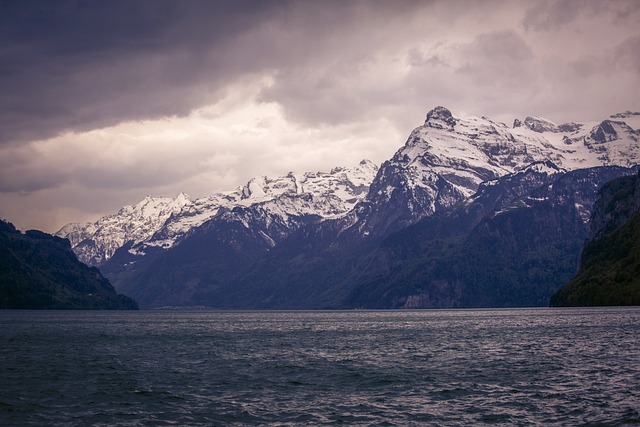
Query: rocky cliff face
(618, 203)
(610, 262)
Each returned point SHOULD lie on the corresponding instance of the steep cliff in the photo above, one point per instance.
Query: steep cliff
(610, 263)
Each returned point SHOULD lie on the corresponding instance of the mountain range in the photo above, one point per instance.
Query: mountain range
(162, 221)
(469, 212)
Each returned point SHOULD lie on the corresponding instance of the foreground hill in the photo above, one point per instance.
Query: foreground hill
(39, 271)
(610, 264)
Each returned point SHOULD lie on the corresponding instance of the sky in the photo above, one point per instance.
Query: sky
(105, 102)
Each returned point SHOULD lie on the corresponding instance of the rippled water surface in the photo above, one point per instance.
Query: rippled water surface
(464, 367)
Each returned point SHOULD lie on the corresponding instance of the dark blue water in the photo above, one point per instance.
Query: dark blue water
(511, 367)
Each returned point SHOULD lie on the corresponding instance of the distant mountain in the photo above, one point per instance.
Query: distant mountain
(610, 263)
(39, 271)
(161, 222)
(284, 243)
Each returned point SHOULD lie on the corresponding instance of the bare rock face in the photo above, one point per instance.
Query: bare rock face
(440, 118)
(619, 202)
(540, 125)
(604, 132)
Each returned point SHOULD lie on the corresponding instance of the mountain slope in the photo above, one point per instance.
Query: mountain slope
(208, 258)
(94, 243)
(514, 243)
(39, 271)
(518, 254)
(610, 263)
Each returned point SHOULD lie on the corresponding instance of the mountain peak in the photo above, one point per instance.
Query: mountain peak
(440, 118)
(183, 197)
(540, 125)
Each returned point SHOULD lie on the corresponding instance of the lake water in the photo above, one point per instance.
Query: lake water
(453, 367)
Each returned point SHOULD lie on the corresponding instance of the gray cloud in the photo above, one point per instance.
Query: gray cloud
(75, 66)
(497, 59)
(288, 85)
(72, 66)
(627, 55)
(80, 65)
(547, 15)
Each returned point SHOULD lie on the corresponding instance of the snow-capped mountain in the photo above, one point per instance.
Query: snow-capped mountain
(444, 161)
(95, 242)
(161, 222)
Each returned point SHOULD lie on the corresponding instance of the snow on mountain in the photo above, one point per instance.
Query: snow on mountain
(444, 161)
(95, 242)
(629, 117)
(476, 148)
(162, 221)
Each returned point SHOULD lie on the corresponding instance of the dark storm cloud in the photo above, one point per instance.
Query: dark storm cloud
(81, 65)
(497, 59)
(76, 65)
(553, 14)
(166, 96)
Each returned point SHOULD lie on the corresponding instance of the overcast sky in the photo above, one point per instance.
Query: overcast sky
(104, 102)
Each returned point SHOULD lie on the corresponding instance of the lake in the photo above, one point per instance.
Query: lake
(439, 367)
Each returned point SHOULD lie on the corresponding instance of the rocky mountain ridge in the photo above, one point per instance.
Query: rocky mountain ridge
(161, 222)
(444, 161)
